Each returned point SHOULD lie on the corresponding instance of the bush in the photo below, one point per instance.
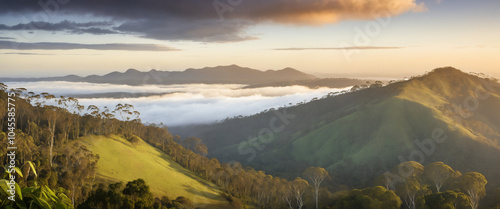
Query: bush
(134, 140)
(184, 201)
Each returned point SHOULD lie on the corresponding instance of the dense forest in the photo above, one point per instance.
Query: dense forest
(54, 170)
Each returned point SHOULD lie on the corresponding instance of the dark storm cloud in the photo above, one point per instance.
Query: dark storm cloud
(202, 30)
(70, 46)
(67, 26)
(202, 20)
(95, 31)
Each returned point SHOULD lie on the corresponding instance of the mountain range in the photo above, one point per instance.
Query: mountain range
(231, 74)
(445, 115)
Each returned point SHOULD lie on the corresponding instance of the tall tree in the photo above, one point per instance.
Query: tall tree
(51, 114)
(78, 166)
(409, 190)
(438, 173)
(107, 117)
(126, 113)
(408, 182)
(316, 175)
(473, 184)
(299, 187)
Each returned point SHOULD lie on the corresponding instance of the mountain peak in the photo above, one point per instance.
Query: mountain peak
(131, 70)
(289, 69)
(446, 70)
(442, 85)
(232, 67)
(446, 74)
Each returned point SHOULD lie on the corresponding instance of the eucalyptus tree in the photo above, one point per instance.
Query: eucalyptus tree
(472, 184)
(316, 175)
(438, 174)
(51, 114)
(299, 187)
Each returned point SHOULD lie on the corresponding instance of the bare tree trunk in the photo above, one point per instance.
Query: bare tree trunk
(316, 193)
(474, 199)
(52, 128)
(300, 202)
(289, 201)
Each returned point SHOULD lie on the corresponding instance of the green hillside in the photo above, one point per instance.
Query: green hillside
(360, 135)
(122, 161)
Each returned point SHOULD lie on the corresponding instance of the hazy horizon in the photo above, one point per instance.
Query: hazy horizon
(317, 74)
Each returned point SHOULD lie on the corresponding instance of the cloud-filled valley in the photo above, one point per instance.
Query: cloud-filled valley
(184, 104)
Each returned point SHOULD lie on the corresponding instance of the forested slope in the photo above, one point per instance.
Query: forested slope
(362, 134)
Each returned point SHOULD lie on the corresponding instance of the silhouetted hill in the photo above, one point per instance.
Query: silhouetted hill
(445, 115)
(231, 74)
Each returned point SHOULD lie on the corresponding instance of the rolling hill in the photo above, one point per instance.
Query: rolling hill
(445, 115)
(122, 161)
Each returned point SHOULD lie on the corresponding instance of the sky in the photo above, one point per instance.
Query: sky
(332, 38)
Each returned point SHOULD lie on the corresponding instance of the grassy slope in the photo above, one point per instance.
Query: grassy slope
(383, 131)
(362, 135)
(375, 136)
(481, 124)
(121, 161)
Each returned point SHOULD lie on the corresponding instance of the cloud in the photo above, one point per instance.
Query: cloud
(343, 48)
(96, 28)
(325, 11)
(202, 20)
(6, 38)
(202, 30)
(20, 53)
(70, 46)
(476, 46)
(95, 31)
(187, 104)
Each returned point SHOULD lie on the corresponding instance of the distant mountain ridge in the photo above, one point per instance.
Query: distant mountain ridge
(231, 74)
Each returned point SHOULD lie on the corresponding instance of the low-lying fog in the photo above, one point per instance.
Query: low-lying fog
(183, 104)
